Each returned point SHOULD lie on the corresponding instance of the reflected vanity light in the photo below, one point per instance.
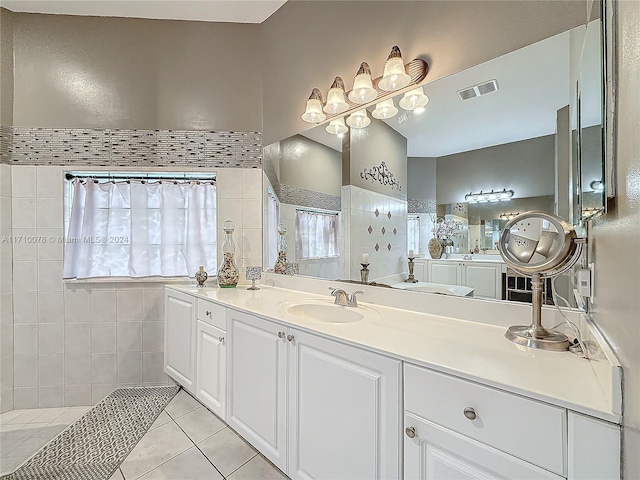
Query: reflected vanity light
(384, 110)
(508, 216)
(414, 99)
(397, 76)
(492, 196)
(337, 127)
(358, 119)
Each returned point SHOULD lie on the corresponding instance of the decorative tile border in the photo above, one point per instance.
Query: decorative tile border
(130, 148)
(308, 198)
(421, 205)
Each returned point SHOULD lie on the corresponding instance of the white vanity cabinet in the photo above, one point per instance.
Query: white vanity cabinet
(211, 357)
(180, 338)
(456, 429)
(484, 277)
(314, 407)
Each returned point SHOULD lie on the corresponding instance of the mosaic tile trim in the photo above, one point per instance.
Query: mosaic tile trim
(130, 148)
(93, 446)
(421, 205)
(270, 172)
(303, 197)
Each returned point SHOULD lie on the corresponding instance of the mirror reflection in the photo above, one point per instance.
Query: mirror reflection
(439, 182)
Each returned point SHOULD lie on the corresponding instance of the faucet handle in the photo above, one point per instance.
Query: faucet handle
(353, 301)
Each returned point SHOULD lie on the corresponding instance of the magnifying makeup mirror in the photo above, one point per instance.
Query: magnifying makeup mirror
(539, 245)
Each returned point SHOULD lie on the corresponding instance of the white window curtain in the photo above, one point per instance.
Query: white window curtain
(136, 229)
(316, 235)
(273, 219)
(413, 233)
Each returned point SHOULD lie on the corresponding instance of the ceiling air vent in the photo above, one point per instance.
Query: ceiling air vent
(478, 90)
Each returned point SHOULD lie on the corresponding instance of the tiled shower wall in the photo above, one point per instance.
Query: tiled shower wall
(377, 225)
(72, 343)
(6, 297)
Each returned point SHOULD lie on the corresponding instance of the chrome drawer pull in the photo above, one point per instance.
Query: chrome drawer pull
(470, 413)
(290, 338)
(410, 431)
(208, 313)
(280, 334)
(221, 339)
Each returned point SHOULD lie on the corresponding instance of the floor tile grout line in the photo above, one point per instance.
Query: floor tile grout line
(231, 473)
(200, 450)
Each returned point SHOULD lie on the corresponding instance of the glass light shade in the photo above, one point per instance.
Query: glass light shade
(414, 99)
(313, 111)
(363, 91)
(394, 76)
(336, 102)
(337, 126)
(358, 119)
(384, 110)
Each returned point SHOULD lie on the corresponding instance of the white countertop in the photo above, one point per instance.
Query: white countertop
(474, 351)
(475, 258)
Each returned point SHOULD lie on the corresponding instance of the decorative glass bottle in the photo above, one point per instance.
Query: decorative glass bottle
(281, 262)
(228, 270)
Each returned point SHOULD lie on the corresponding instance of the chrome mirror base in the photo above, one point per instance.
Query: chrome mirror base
(538, 337)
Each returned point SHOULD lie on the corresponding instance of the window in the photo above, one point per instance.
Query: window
(139, 227)
(413, 233)
(316, 234)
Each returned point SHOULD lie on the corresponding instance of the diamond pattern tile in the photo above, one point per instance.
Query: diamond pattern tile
(395, 232)
(377, 213)
(369, 229)
(389, 215)
(384, 230)
(389, 247)
(377, 247)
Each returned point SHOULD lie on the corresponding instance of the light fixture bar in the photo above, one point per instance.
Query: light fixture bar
(417, 69)
(492, 196)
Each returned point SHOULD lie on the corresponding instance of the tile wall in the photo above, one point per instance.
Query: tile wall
(377, 225)
(75, 342)
(6, 297)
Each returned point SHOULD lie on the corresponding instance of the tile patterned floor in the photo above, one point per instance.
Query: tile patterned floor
(186, 442)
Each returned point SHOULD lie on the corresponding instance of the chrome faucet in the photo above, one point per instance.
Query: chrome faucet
(343, 298)
(353, 301)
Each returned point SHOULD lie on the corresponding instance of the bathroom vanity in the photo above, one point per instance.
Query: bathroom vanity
(325, 391)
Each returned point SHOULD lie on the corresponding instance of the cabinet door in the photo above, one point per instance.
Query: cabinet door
(435, 453)
(257, 383)
(448, 273)
(180, 338)
(484, 278)
(344, 411)
(211, 368)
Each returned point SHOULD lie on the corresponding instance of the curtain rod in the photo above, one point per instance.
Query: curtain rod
(143, 178)
(309, 210)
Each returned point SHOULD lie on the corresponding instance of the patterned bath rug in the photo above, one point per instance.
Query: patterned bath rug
(94, 446)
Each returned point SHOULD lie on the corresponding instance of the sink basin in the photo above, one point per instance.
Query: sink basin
(327, 311)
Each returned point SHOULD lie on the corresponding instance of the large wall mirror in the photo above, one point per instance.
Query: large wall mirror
(517, 133)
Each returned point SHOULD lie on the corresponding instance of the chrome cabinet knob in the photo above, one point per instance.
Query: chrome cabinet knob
(221, 339)
(290, 338)
(410, 431)
(208, 313)
(280, 334)
(470, 413)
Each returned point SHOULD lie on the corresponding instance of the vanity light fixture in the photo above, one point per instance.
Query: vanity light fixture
(363, 91)
(358, 119)
(385, 109)
(337, 127)
(414, 99)
(366, 90)
(394, 76)
(336, 102)
(492, 196)
(508, 216)
(313, 111)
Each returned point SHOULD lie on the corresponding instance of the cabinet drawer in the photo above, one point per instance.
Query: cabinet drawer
(212, 313)
(530, 430)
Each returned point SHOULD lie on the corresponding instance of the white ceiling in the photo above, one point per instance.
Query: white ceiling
(237, 11)
(533, 84)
